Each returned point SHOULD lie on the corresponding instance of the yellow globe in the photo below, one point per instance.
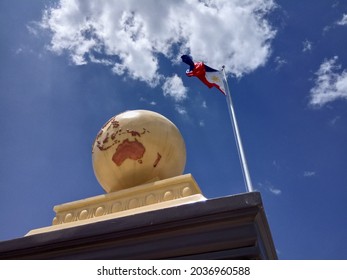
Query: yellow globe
(137, 147)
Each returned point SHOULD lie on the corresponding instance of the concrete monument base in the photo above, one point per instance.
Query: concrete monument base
(156, 195)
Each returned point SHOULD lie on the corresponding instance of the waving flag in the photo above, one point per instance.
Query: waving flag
(214, 78)
(209, 76)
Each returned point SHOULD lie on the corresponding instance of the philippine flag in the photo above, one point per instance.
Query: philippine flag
(209, 76)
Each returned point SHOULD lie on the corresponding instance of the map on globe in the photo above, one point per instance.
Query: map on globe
(126, 149)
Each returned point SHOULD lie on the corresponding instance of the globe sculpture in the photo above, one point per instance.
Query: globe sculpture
(137, 147)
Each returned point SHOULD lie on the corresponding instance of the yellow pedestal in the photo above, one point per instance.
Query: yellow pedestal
(148, 197)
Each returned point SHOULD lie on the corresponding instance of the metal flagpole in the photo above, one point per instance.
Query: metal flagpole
(242, 157)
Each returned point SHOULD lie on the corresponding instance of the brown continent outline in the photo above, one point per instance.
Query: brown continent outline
(104, 144)
(128, 150)
(157, 160)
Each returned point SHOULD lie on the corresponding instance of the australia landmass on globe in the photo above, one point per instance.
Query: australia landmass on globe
(128, 150)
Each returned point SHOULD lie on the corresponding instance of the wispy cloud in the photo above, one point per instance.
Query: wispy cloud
(333, 121)
(340, 22)
(268, 186)
(343, 20)
(276, 164)
(181, 110)
(280, 62)
(335, 4)
(307, 46)
(330, 84)
(153, 103)
(309, 173)
(275, 191)
(128, 35)
(34, 28)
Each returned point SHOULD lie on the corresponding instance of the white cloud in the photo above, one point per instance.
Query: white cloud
(330, 84)
(268, 186)
(181, 110)
(130, 34)
(309, 173)
(276, 164)
(275, 191)
(327, 28)
(173, 87)
(280, 62)
(307, 46)
(342, 21)
(34, 27)
(334, 120)
(153, 103)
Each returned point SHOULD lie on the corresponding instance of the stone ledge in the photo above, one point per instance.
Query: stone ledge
(148, 197)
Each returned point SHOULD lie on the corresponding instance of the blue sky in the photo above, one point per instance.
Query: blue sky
(68, 66)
